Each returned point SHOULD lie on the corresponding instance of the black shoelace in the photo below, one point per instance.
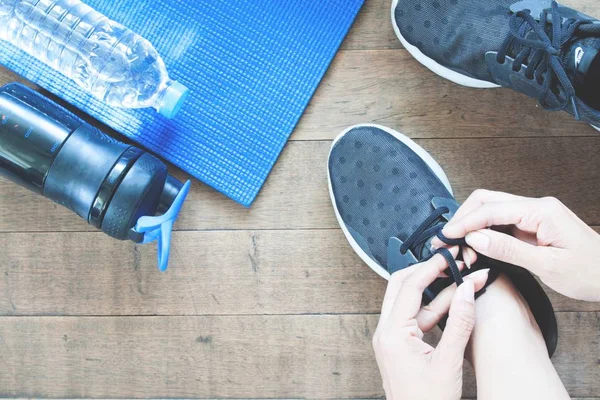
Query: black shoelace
(432, 226)
(544, 55)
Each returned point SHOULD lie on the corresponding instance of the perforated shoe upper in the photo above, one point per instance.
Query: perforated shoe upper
(382, 188)
(455, 33)
(532, 46)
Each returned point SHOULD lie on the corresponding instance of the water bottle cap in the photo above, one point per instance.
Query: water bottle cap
(172, 100)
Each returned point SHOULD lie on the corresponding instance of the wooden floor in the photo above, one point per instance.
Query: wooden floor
(271, 302)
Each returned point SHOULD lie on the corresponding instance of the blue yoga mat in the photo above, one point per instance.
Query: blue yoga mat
(251, 65)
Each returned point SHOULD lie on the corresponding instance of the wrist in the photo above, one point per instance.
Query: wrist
(503, 320)
(507, 349)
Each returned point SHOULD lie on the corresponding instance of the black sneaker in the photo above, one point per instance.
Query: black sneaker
(515, 44)
(391, 198)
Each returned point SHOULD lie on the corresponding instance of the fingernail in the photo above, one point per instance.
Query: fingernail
(475, 275)
(447, 229)
(468, 291)
(466, 257)
(478, 241)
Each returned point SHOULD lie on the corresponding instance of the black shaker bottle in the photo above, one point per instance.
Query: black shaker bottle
(120, 189)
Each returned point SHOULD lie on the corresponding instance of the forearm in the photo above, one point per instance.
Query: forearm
(508, 352)
(516, 367)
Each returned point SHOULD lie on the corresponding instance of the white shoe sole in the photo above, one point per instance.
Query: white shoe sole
(425, 156)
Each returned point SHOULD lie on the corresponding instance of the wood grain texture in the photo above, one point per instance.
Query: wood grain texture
(373, 29)
(296, 197)
(271, 302)
(7, 76)
(211, 273)
(236, 357)
(390, 88)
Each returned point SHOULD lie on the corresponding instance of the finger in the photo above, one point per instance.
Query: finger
(481, 196)
(523, 236)
(408, 301)
(393, 287)
(478, 198)
(519, 213)
(461, 321)
(461, 266)
(437, 243)
(392, 290)
(500, 246)
(430, 315)
(469, 256)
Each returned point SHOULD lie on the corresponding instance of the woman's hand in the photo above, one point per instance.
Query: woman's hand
(410, 368)
(544, 237)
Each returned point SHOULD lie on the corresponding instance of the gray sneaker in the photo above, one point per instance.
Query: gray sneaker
(535, 47)
(391, 198)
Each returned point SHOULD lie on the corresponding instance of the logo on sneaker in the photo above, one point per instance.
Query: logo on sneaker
(579, 53)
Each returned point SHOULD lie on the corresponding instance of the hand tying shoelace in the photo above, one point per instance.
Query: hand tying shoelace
(392, 201)
(432, 226)
(543, 55)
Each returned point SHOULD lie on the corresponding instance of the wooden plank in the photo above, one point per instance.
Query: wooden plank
(296, 197)
(589, 7)
(211, 273)
(389, 87)
(373, 27)
(242, 272)
(8, 76)
(313, 356)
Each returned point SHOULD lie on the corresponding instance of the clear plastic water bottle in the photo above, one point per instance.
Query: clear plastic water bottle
(105, 58)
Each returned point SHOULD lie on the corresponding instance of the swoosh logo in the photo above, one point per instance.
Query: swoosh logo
(579, 53)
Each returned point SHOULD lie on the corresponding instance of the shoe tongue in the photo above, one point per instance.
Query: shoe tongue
(582, 62)
(426, 251)
(438, 202)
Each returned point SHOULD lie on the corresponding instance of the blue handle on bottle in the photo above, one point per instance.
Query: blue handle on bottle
(160, 227)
